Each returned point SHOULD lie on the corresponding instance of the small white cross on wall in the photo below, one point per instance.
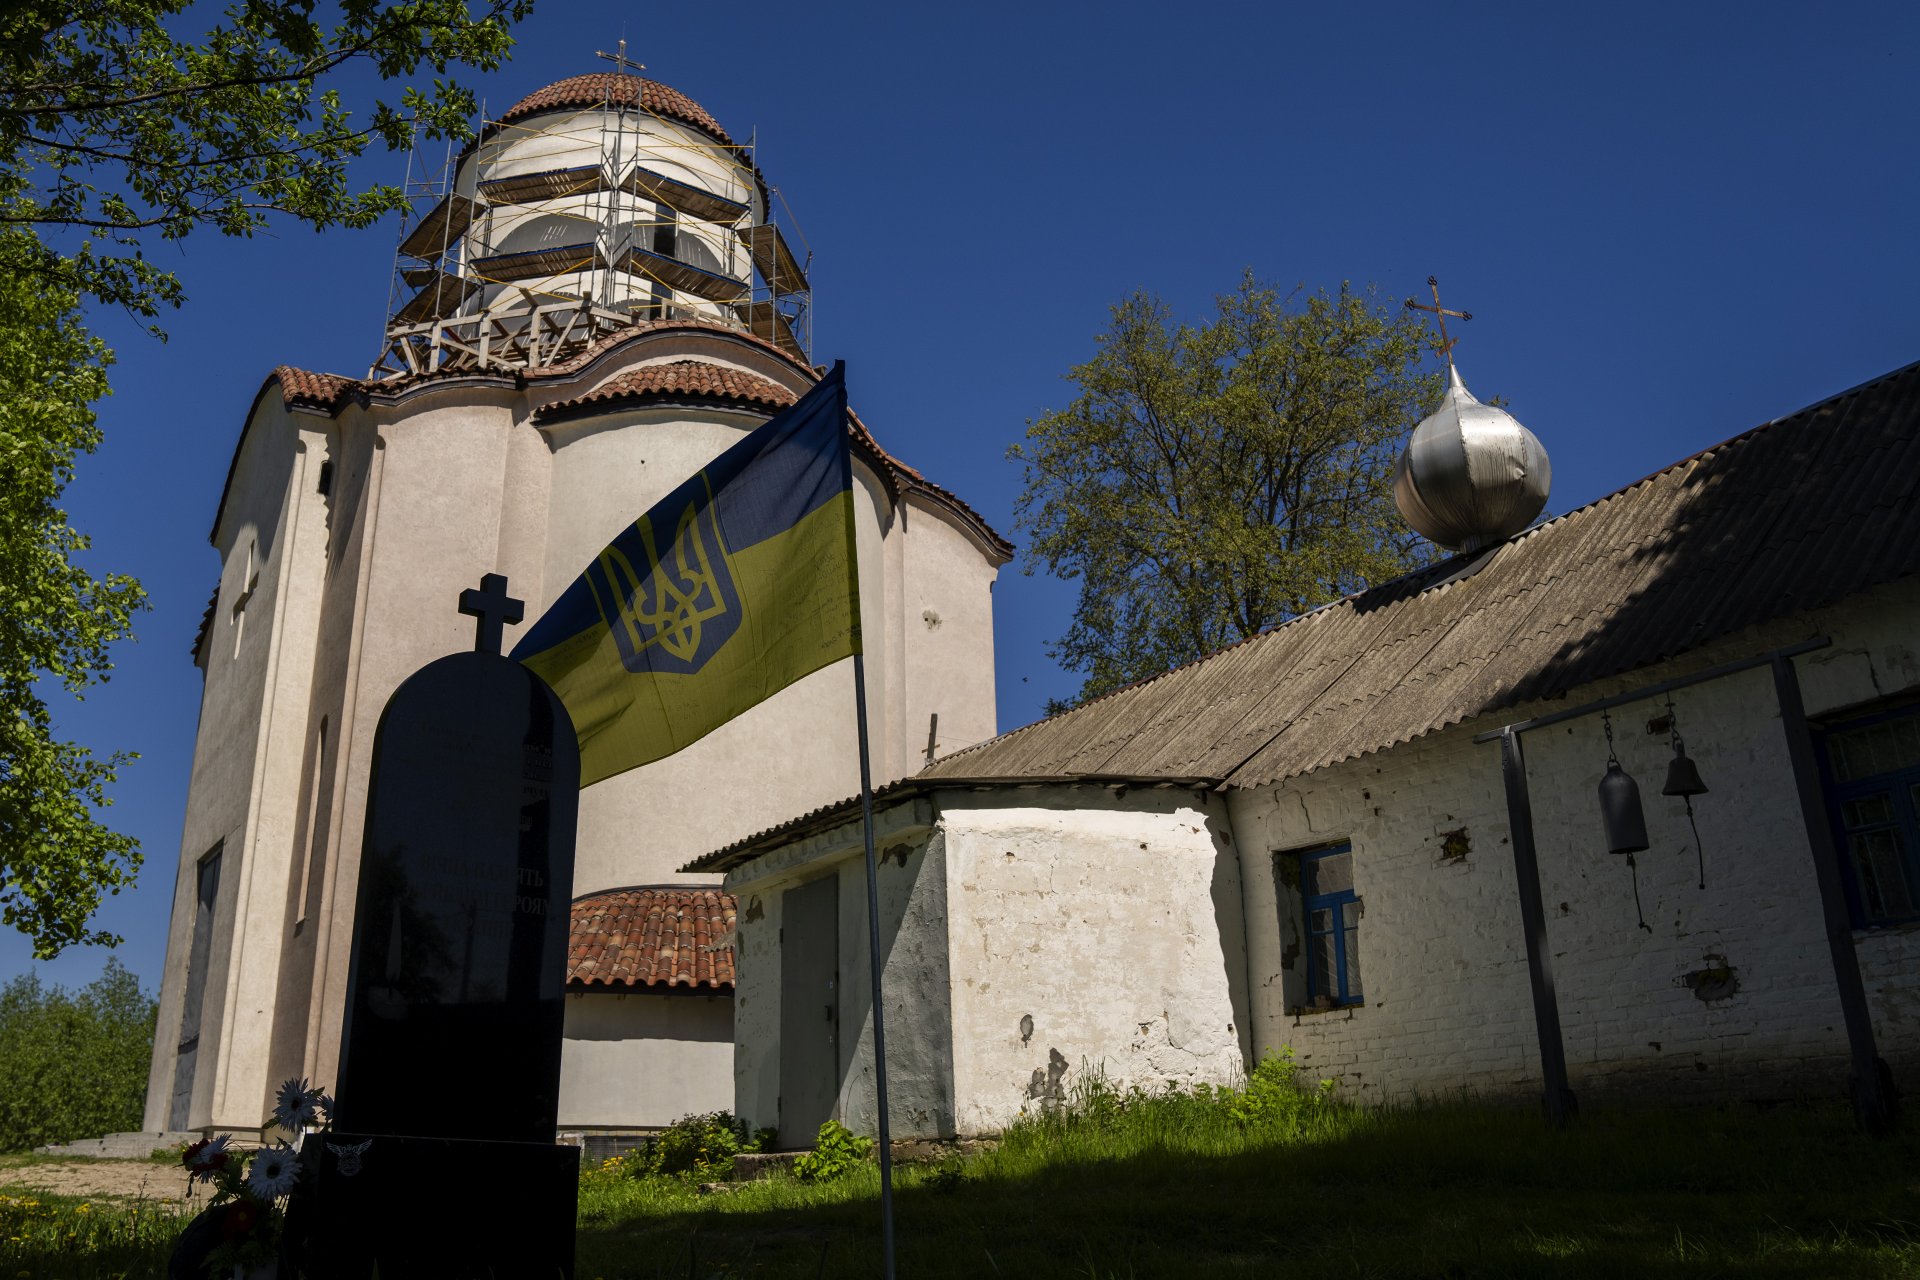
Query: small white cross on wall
(248, 585)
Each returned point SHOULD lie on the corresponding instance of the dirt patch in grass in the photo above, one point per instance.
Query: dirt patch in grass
(98, 1179)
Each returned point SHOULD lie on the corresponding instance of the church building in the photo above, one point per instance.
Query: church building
(599, 300)
(1700, 877)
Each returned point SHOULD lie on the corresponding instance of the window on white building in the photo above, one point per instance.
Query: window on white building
(1331, 911)
(1873, 786)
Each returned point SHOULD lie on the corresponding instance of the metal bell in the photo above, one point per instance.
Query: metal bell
(1683, 777)
(1620, 810)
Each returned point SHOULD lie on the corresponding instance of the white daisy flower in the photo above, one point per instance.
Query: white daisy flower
(273, 1172)
(297, 1106)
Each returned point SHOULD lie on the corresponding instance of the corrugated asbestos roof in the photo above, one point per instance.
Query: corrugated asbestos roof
(1790, 516)
(657, 936)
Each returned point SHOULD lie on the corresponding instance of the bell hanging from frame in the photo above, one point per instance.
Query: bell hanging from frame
(1620, 810)
(1683, 777)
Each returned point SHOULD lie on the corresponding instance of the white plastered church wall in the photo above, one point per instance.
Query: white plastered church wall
(1448, 1008)
(631, 1058)
(258, 662)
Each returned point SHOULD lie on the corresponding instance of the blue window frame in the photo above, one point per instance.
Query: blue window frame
(1333, 926)
(1872, 767)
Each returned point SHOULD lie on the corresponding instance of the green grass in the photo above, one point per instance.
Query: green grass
(1180, 1186)
(48, 1237)
(1176, 1187)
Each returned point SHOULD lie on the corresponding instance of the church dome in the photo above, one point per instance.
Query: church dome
(621, 90)
(1471, 474)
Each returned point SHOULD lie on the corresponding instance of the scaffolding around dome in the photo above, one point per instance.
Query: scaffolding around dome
(590, 206)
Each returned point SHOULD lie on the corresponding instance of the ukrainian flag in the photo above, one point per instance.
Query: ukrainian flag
(738, 583)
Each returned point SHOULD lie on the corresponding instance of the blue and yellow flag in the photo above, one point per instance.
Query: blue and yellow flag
(738, 583)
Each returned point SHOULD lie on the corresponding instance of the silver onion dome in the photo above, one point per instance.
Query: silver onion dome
(1471, 475)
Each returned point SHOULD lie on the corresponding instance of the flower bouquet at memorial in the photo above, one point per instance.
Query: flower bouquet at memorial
(238, 1233)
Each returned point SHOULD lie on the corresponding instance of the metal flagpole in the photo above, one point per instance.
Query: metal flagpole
(873, 954)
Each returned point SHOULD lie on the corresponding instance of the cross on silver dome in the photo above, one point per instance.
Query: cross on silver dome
(1471, 474)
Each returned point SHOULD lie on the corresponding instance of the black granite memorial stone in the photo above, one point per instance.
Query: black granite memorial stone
(456, 987)
(442, 1161)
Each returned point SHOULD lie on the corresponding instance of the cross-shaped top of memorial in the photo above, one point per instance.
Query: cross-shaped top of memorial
(494, 608)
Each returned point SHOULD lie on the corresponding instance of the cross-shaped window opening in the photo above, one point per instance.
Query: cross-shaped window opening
(249, 583)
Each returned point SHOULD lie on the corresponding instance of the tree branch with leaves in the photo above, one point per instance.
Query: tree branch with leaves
(116, 131)
(1213, 480)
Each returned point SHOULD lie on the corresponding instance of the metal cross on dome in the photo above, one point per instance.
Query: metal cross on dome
(1446, 343)
(620, 59)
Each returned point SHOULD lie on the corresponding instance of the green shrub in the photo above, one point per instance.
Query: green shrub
(1274, 1095)
(696, 1146)
(73, 1064)
(838, 1151)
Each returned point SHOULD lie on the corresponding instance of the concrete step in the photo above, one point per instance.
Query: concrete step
(121, 1146)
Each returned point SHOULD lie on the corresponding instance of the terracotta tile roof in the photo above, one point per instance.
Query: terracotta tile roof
(623, 90)
(201, 636)
(322, 390)
(682, 380)
(1791, 516)
(331, 391)
(654, 936)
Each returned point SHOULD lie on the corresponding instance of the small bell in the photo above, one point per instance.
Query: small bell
(1620, 810)
(1683, 777)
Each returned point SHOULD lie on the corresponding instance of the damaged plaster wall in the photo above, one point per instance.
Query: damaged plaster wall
(1090, 931)
(913, 913)
(1731, 993)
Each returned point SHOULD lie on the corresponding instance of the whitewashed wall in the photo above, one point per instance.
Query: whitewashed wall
(1031, 935)
(1089, 931)
(1447, 1006)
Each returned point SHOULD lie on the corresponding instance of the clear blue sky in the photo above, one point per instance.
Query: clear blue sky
(1671, 222)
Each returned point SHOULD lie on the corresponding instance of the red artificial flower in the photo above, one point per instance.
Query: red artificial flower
(241, 1217)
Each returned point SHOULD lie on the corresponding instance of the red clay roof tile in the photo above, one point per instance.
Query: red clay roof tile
(655, 936)
(681, 380)
(596, 87)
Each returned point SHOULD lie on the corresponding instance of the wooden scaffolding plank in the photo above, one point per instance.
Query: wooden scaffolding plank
(683, 197)
(683, 277)
(548, 184)
(439, 299)
(778, 266)
(534, 264)
(441, 229)
(764, 320)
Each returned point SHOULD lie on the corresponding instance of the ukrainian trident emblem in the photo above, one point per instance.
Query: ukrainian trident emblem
(668, 608)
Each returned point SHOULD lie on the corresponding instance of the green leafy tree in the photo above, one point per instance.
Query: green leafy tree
(117, 131)
(1212, 480)
(56, 619)
(73, 1064)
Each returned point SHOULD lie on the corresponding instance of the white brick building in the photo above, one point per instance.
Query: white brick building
(1298, 841)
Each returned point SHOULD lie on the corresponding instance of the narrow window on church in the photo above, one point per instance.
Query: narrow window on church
(1332, 912)
(316, 769)
(666, 232)
(1873, 777)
